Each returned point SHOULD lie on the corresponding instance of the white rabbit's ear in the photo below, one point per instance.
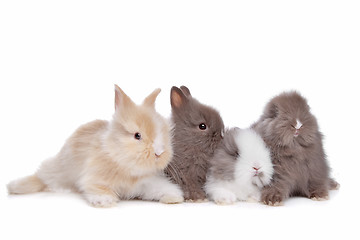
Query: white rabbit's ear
(121, 99)
(150, 100)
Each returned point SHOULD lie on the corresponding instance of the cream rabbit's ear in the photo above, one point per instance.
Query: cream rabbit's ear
(121, 99)
(150, 100)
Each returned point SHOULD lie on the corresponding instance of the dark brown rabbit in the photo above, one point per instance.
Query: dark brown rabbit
(197, 131)
(292, 134)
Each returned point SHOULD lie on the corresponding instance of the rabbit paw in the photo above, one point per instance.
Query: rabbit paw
(319, 195)
(272, 197)
(195, 196)
(101, 201)
(171, 199)
(225, 199)
(334, 185)
(319, 198)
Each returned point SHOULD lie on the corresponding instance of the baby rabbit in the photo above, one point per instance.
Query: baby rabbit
(197, 131)
(107, 161)
(292, 133)
(240, 167)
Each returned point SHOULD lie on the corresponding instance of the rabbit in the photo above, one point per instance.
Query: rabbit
(107, 161)
(292, 133)
(197, 130)
(240, 168)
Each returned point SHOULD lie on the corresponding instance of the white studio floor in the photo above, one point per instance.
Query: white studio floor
(64, 215)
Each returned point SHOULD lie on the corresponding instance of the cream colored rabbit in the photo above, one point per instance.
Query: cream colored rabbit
(107, 161)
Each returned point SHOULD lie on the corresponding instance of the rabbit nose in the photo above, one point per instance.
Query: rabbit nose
(158, 152)
(158, 147)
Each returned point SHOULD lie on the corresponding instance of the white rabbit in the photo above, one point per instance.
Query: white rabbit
(241, 166)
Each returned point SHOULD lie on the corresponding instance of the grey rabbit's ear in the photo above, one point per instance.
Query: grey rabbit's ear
(178, 98)
(271, 111)
(186, 91)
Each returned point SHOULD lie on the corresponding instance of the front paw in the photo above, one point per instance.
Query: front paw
(226, 199)
(272, 197)
(171, 199)
(196, 196)
(317, 198)
(101, 201)
(323, 196)
(319, 195)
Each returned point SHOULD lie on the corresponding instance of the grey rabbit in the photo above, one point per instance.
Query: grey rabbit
(292, 133)
(197, 131)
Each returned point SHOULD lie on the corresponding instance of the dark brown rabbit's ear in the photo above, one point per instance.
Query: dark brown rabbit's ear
(271, 111)
(178, 98)
(186, 91)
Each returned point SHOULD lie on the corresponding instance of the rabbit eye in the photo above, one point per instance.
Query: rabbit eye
(202, 126)
(137, 136)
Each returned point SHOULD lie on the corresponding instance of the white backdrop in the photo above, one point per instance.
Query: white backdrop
(60, 59)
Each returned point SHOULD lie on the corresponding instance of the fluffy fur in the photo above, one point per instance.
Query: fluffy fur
(197, 131)
(241, 166)
(107, 161)
(292, 134)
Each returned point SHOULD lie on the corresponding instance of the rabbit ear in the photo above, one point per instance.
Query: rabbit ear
(121, 99)
(186, 91)
(271, 110)
(177, 97)
(150, 100)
